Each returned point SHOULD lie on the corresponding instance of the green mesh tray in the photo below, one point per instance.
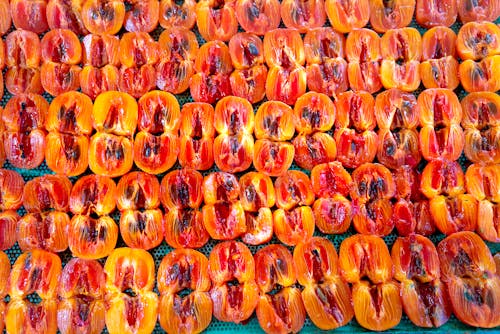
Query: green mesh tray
(252, 325)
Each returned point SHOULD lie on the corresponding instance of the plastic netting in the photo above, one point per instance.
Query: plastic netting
(252, 325)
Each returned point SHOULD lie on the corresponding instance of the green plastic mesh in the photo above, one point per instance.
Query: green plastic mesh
(252, 325)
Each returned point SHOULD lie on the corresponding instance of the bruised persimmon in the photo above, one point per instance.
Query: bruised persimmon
(142, 15)
(485, 10)
(137, 49)
(355, 109)
(137, 81)
(180, 270)
(173, 14)
(294, 225)
(314, 112)
(100, 50)
(103, 16)
(346, 16)
(93, 194)
(29, 15)
(61, 46)
(258, 17)
(442, 177)
(480, 76)
(454, 214)
(385, 15)
(58, 78)
(216, 19)
(234, 153)
(6, 17)
(478, 40)
(182, 189)
(8, 224)
(22, 48)
(47, 231)
(234, 292)
(67, 154)
(432, 13)
(303, 15)
(274, 120)
(184, 228)
(355, 148)
(95, 81)
(81, 305)
(246, 50)
(234, 115)
(11, 190)
(66, 15)
(19, 80)
(272, 158)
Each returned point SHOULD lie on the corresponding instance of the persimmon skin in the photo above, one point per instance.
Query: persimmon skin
(347, 16)
(258, 17)
(435, 13)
